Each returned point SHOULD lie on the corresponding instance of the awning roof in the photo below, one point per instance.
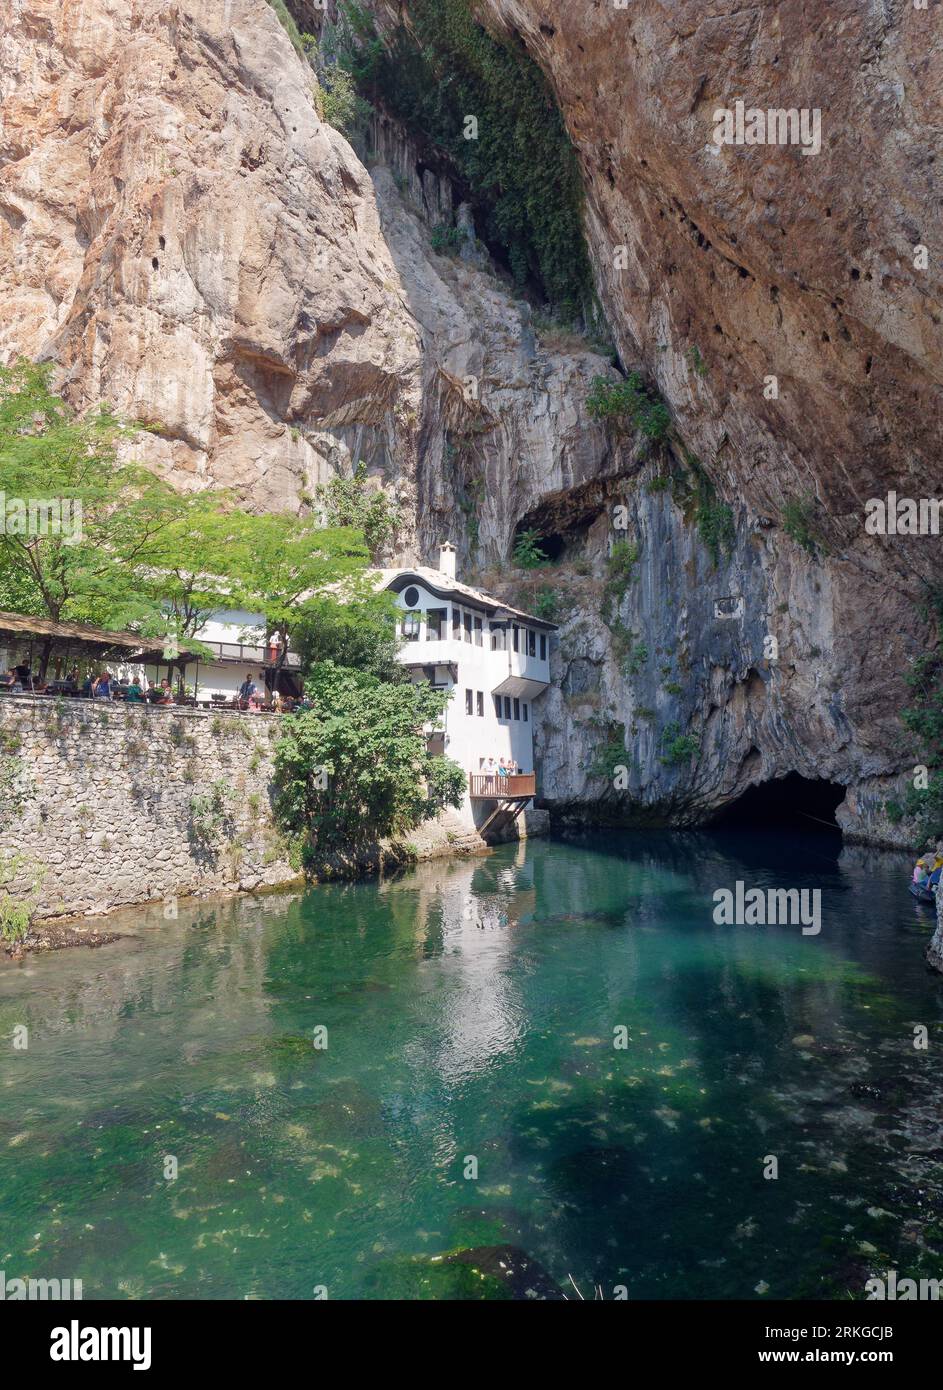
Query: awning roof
(23, 626)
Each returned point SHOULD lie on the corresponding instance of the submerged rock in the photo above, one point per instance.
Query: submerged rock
(486, 1272)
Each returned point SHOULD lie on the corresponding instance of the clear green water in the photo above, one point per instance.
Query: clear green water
(450, 1036)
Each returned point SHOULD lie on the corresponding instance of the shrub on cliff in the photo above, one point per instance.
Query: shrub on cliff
(354, 769)
(351, 502)
(528, 552)
(630, 404)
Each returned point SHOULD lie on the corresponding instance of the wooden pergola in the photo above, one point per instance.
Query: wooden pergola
(66, 644)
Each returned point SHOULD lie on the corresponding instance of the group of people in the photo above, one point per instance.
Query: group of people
(251, 696)
(928, 869)
(105, 687)
(504, 767)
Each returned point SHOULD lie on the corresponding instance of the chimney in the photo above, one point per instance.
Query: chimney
(447, 559)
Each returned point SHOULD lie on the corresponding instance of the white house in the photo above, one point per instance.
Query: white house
(496, 662)
(236, 639)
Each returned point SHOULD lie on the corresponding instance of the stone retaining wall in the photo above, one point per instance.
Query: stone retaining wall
(125, 804)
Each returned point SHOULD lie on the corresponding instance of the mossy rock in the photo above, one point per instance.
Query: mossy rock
(487, 1272)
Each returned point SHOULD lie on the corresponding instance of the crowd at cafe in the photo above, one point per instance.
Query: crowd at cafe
(103, 684)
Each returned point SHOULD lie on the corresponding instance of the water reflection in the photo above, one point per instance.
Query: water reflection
(471, 1008)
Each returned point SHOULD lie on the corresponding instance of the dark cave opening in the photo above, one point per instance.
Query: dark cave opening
(552, 543)
(792, 802)
(553, 546)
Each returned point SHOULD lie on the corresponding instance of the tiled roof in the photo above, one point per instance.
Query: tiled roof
(442, 585)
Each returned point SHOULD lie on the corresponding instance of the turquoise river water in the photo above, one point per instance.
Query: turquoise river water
(470, 1095)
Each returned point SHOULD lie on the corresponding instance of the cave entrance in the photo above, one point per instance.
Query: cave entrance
(792, 802)
(552, 544)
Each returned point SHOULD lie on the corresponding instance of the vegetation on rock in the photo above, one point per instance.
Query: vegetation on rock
(528, 552)
(800, 522)
(678, 748)
(630, 404)
(924, 718)
(349, 502)
(516, 159)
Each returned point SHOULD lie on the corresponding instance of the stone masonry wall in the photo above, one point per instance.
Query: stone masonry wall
(125, 804)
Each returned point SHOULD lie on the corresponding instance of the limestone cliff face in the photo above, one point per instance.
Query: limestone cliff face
(190, 241)
(186, 237)
(720, 269)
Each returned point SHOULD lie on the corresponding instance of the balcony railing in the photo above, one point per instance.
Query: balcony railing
(250, 655)
(490, 786)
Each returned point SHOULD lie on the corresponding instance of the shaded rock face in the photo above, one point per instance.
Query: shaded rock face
(503, 424)
(721, 268)
(935, 948)
(188, 240)
(766, 260)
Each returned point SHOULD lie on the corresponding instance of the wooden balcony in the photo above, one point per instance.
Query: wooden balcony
(490, 786)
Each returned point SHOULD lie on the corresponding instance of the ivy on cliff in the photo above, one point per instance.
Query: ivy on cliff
(516, 157)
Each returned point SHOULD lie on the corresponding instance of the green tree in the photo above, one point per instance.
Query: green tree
(355, 769)
(199, 547)
(349, 502)
(287, 567)
(89, 559)
(359, 634)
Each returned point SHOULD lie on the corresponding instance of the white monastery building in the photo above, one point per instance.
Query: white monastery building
(496, 662)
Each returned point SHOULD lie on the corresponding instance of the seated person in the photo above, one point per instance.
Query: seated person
(104, 687)
(920, 873)
(133, 693)
(12, 682)
(935, 873)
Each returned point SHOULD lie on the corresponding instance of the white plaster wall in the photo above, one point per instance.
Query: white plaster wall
(470, 738)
